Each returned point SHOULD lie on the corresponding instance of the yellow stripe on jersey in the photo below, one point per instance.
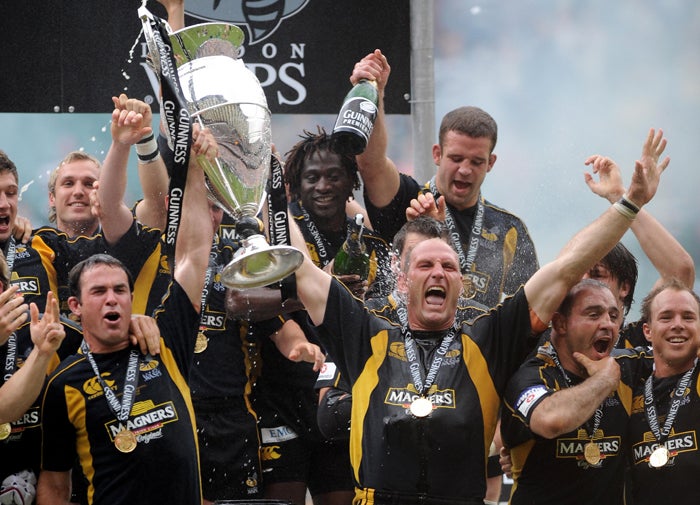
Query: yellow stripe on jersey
(144, 282)
(75, 403)
(518, 458)
(625, 393)
(478, 371)
(361, 393)
(47, 256)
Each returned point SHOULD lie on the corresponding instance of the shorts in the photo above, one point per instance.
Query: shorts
(228, 450)
(323, 465)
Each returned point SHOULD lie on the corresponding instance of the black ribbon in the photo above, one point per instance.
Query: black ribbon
(279, 222)
(177, 118)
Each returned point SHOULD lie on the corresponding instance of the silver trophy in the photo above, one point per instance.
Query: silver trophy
(224, 96)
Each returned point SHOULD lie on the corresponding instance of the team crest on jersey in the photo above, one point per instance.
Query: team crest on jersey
(21, 252)
(676, 443)
(402, 397)
(452, 357)
(149, 368)
(251, 483)
(573, 448)
(146, 421)
(490, 235)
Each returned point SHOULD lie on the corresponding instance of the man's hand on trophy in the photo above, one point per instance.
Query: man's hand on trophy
(204, 143)
(131, 120)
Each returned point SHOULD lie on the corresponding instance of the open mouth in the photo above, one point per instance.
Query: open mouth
(4, 220)
(112, 316)
(678, 339)
(435, 295)
(602, 345)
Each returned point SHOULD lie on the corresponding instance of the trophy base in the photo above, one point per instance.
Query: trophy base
(258, 264)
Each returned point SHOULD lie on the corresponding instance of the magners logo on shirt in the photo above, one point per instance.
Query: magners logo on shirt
(574, 447)
(676, 443)
(402, 397)
(146, 421)
(27, 285)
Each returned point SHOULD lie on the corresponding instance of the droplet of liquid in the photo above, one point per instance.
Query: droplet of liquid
(23, 189)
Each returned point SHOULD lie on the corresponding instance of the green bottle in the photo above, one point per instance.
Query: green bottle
(352, 257)
(356, 119)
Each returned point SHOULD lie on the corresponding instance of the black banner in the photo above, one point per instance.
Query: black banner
(73, 55)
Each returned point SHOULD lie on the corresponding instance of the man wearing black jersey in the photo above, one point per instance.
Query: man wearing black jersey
(320, 183)
(126, 415)
(425, 396)
(495, 250)
(665, 422)
(566, 409)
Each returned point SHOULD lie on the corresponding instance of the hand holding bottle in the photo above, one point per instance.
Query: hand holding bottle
(373, 67)
(355, 120)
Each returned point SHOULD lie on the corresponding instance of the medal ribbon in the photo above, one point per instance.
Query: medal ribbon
(279, 228)
(598, 415)
(131, 380)
(11, 356)
(10, 254)
(650, 407)
(319, 242)
(466, 261)
(177, 119)
(415, 367)
(209, 276)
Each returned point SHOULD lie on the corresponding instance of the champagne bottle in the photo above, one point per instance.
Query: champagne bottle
(355, 119)
(352, 257)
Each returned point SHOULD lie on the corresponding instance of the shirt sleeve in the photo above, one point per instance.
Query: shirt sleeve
(388, 220)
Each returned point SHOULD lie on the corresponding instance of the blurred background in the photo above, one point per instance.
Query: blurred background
(564, 79)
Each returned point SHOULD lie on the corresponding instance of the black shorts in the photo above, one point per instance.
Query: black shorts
(228, 450)
(288, 457)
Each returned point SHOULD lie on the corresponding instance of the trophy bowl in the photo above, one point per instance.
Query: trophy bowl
(223, 95)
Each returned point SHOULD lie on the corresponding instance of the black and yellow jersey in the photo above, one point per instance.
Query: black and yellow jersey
(505, 258)
(77, 421)
(445, 453)
(553, 471)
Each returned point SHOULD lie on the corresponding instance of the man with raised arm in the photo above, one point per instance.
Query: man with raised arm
(124, 414)
(426, 395)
